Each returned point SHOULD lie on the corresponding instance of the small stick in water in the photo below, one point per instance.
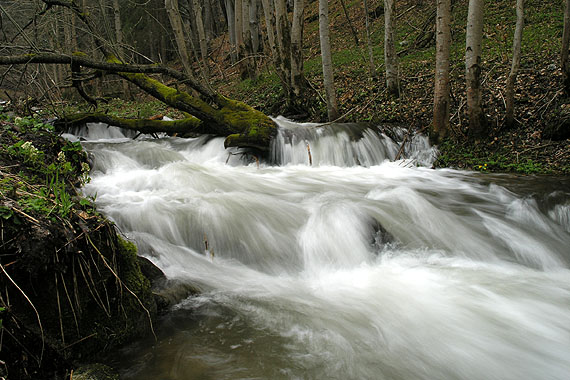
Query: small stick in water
(310, 157)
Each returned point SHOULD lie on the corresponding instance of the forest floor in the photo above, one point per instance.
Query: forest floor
(538, 144)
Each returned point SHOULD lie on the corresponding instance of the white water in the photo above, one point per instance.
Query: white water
(337, 271)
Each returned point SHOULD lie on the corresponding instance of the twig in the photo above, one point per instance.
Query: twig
(79, 341)
(549, 102)
(123, 284)
(401, 150)
(26, 215)
(536, 147)
(33, 307)
(354, 108)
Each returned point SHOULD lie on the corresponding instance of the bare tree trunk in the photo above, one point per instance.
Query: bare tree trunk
(372, 67)
(328, 77)
(283, 43)
(441, 91)
(510, 91)
(565, 46)
(201, 36)
(271, 28)
(230, 12)
(248, 67)
(176, 23)
(390, 57)
(119, 38)
(240, 43)
(477, 120)
(254, 25)
(352, 29)
(297, 80)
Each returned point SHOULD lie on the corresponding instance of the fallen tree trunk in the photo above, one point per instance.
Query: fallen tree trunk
(208, 112)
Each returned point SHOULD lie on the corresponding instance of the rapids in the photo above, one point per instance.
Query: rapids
(356, 267)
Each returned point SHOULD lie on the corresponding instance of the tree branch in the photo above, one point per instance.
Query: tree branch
(82, 60)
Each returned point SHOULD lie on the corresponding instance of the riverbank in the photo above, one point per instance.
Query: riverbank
(72, 288)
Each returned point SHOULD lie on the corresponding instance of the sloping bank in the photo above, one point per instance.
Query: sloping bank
(70, 286)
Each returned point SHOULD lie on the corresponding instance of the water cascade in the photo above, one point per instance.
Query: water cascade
(354, 267)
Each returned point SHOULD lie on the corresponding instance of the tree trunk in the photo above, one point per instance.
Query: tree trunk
(271, 28)
(297, 79)
(565, 46)
(176, 23)
(254, 25)
(231, 16)
(390, 57)
(208, 112)
(119, 39)
(441, 91)
(352, 28)
(238, 8)
(283, 43)
(510, 91)
(372, 67)
(201, 36)
(328, 77)
(477, 120)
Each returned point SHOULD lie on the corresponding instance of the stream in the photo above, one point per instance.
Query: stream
(355, 266)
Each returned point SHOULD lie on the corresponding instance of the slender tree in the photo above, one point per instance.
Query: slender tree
(119, 38)
(203, 42)
(254, 25)
(565, 47)
(510, 91)
(390, 57)
(240, 44)
(328, 77)
(176, 23)
(297, 79)
(231, 17)
(441, 90)
(477, 120)
(372, 67)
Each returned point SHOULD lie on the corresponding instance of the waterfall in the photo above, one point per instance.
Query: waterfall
(354, 267)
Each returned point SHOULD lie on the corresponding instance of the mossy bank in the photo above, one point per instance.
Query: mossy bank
(70, 286)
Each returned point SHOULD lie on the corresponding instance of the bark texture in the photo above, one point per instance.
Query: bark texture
(510, 91)
(441, 89)
(390, 57)
(477, 120)
(328, 77)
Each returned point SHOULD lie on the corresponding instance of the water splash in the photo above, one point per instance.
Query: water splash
(339, 270)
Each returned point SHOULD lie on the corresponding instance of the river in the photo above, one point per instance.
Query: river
(332, 261)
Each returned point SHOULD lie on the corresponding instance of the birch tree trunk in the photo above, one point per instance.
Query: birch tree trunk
(271, 28)
(477, 120)
(176, 23)
(328, 77)
(441, 90)
(372, 67)
(197, 6)
(283, 43)
(390, 57)
(565, 46)
(510, 91)
(297, 80)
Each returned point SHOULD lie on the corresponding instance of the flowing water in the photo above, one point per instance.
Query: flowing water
(353, 268)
